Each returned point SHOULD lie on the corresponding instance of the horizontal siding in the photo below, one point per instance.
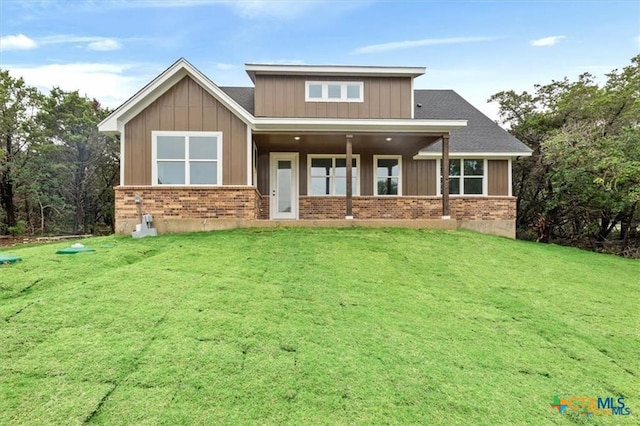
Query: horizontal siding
(284, 96)
(185, 107)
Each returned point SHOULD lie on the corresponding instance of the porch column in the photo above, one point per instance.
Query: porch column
(349, 214)
(446, 214)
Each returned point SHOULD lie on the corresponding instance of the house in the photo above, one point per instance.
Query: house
(310, 145)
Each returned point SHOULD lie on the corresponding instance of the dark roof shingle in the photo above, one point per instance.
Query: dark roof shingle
(481, 134)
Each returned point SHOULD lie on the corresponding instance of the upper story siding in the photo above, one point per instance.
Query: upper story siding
(284, 96)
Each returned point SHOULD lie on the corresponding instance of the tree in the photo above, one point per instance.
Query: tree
(88, 159)
(20, 136)
(582, 179)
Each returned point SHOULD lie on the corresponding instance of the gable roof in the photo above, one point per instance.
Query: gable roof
(159, 85)
(482, 135)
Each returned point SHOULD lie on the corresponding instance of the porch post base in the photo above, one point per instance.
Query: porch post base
(349, 217)
(446, 217)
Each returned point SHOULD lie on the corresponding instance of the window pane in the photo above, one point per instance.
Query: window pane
(203, 147)
(170, 147)
(454, 167)
(203, 172)
(341, 186)
(454, 185)
(171, 172)
(335, 91)
(315, 91)
(353, 91)
(388, 167)
(341, 166)
(321, 166)
(473, 186)
(388, 186)
(320, 185)
(473, 167)
(284, 186)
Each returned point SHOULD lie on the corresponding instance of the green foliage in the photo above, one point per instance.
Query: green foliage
(56, 170)
(315, 326)
(582, 182)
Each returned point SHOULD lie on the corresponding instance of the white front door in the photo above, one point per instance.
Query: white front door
(283, 202)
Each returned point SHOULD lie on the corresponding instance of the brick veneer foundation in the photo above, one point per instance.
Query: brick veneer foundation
(176, 208)
(181, 209)
(462, 208)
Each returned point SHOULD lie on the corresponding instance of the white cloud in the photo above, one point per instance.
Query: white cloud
(92, 42)
(17, 42)
(104, 45)
(547, 41)
(109, 83)
(225, 67)
(409, 44)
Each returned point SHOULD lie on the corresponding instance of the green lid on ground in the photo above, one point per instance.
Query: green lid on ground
(75, 249)
(8, 258)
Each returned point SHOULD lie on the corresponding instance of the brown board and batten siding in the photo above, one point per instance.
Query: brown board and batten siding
(418, 176)
(498, 175)
(284, 96)
(185, 107)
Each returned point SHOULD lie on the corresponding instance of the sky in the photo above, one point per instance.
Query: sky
(109, 49)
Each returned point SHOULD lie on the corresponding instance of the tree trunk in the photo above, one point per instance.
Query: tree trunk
(6, 186)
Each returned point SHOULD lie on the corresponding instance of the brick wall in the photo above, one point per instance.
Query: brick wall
(181, 209)
(166, 202)
(462, 208)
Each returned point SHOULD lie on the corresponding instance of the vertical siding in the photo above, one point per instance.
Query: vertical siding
(498, 176)
(419, 176)
(185, 107)
(284, 96)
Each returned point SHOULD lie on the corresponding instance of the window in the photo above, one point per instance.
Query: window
(466, 177)
(328, 175)
(334, 91)
(387, 177)
(187, 158)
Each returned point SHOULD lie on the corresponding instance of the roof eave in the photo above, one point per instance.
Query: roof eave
(332, 70)
(357, 125)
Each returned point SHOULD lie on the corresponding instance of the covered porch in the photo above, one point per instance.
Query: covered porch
(349, 175)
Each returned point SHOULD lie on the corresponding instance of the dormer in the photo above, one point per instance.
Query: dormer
(334, 91)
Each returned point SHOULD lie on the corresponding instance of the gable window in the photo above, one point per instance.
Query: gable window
(187, 158)
(388, 169)
(328, 174)
(334, 91)
(466, 176)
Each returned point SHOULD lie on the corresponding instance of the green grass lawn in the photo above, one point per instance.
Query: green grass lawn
(329, 326)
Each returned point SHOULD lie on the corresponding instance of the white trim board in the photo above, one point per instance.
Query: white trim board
(158, 86)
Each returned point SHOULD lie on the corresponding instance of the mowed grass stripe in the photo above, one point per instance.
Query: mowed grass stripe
(335, 326)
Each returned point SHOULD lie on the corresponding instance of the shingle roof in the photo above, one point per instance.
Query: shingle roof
(242, 95)
(481, 134)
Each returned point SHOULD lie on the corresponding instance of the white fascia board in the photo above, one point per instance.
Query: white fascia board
(332, 70)
(152, 91)
(355, 125)
(431, 155)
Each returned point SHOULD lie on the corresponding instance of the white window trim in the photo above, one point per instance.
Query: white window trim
(325, 91)
(187, 135)
(356, 190)
(375, 175)
(485, 177)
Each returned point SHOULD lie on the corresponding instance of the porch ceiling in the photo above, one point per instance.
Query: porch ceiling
(403, 142)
